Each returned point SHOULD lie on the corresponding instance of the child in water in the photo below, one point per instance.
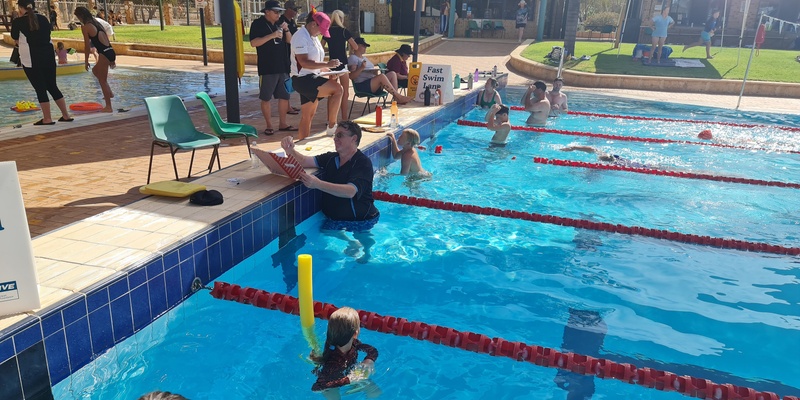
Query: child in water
(61, 52)
(338, 365)
(409, 159)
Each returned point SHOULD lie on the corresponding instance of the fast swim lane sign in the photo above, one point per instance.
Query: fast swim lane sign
(18, 290)
(435, 77)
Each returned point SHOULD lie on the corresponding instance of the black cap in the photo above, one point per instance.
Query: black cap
(289, 5)
(405, 49)
(206, 198)
(272, 5)
(361, 41)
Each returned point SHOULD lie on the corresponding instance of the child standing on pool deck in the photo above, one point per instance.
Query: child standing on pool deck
(338, 365)
(409, 159)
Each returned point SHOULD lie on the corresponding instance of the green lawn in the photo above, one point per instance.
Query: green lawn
(770, 65)
(189, 36)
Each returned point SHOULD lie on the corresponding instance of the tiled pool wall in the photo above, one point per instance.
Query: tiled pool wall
(42, 350)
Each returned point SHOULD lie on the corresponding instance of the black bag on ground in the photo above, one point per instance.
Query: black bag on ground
(206, 198)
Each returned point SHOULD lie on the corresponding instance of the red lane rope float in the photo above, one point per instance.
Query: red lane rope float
(693, 121)
(591, 225)
(623, 138)
(662, 172)
(497, 347)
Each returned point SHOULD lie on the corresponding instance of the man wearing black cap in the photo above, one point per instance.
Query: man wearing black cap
(538, 105)
(398, 64)
(271, 42)
(289, 15)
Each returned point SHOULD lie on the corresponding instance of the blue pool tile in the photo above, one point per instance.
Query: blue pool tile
(95, 300)
(173, 281)
(247, 217)
(224, 230)
(171, 259)
(247, 241)
(28, 337)
(6, 349)
(257, 212)
(33, 373)
(57, 359)
(137, 278)
(158, 295)
(226, 254)
(118, 288)
(212, 237)
(74, 311)
(140, 304)
(155, 268)
(258, 234)
(121, 318)
(187, 275)
(201, 266)
(237, 247)
(236, 224)
(10, 386)
(274, 225)
(186, 251)
(199, 244)
(79, 346)
(102, 332)
(51, 323)
(214, 264)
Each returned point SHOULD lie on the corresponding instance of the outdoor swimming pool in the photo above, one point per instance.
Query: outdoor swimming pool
(729, 316)
(130, 86)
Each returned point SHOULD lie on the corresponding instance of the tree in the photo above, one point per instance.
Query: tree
(354, 19)
(591, 7)
(571, 28)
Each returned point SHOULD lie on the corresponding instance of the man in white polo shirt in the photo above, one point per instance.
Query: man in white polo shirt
(308, 60)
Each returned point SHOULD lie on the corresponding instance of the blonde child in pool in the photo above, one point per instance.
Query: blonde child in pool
(338, 364)
(409, 159)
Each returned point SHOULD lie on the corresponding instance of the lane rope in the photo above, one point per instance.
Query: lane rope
(717, 242)
(691, 121)
(624, 138)
(663, 172)
(498, 347)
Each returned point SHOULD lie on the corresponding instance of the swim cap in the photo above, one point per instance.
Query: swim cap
(705, 134)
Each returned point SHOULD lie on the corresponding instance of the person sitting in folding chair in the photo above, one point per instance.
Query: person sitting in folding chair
(368, 79)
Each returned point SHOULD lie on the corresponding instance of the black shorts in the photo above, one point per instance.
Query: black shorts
(271, 85)
(403, 83)
(521, 25)
(308, 87)
(364, 87)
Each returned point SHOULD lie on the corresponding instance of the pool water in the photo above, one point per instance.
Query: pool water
(728, 316)
(129, 85)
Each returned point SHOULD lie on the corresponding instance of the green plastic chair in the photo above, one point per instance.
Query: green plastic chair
(226, 130)
(172, 127)
(369, 96)
(473, 27)
(487, 26)
(383, 67)
(498, 27)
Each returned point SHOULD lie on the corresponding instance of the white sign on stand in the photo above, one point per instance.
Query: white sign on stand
(435, 77)
(18, 291)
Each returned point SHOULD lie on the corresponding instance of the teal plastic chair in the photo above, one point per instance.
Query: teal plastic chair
(226, 130)
(498, 27)
(487, 26)
(473, 27)
(369, 96)
(172, 127)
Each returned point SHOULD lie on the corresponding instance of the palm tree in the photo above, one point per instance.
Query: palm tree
(353, 20)
(571, 28)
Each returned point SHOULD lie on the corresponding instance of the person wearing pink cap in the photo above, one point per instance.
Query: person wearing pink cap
(307, 62)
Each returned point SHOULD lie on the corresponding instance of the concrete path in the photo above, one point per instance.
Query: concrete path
(72, 171)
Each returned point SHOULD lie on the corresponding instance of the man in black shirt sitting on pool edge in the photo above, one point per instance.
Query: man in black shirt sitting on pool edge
(345, 180)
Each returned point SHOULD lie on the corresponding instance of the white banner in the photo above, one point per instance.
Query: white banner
(18, 291)
(435, 77)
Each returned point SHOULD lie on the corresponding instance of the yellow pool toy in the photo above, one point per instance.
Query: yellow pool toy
(305, 296)
(171, 189)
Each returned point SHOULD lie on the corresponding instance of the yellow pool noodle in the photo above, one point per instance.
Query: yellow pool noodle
(305, 290)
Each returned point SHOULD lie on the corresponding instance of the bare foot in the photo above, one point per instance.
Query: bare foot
(107, 110)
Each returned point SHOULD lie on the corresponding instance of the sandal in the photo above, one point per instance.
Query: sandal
(269, 132)
(293, 111)
(41, 122)
(288, 129)
(62, 119)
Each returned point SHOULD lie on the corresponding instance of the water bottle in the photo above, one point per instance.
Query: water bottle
(475, 78)
(254, 161)
(494, 72)
(457, 82)
(395, 116)
(469, 82)
(437, 97)
(378, 116)
(427, 96)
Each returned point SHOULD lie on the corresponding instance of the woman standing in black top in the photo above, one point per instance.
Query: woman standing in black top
(31, 32)
(337, 49)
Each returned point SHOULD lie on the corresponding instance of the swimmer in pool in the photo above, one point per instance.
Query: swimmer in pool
(497, 121)
(606, 157)
(536, 103)
(410, 164)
